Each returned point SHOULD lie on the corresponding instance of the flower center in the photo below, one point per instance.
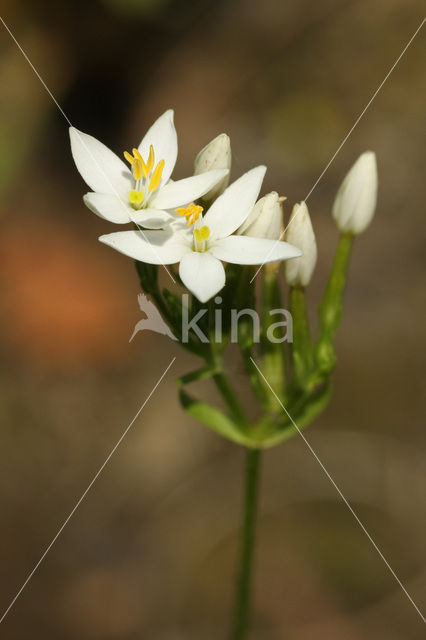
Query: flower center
(191, 213)
(201, 235)
(136, 197)
(147, 177)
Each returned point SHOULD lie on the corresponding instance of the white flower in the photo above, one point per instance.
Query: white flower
(215, 155)
(143, 192)
(355, 202)
(300, 233)
(265, 220)
(201, 249)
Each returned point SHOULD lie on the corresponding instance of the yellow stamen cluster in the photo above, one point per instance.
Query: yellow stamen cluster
(191, 213)
(202, 234)
(142, 169)
(139, 166)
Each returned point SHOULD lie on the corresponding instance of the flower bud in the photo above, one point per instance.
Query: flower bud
(265, 220)
(298, 271)
(355, 202)
(215, 155)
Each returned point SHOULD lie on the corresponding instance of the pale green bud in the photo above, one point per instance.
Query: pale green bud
(215, 155)
(265, 220)
(355, 202)
(298, 271)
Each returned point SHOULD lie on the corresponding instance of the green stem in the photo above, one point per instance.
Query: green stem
(331, 307)
(301, 348)
(273, 356)
(242, 604)
(256, 381)
(224, 386)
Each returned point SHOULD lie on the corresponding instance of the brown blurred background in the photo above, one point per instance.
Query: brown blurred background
(151, 552)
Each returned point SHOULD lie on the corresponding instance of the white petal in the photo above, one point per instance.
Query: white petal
(100, 168)
(355, 202)
(154, 247)
(229, 211)
(245, 250)
(265, 220)
(215, 155)
(300, 233)
(162, 136)
(108, 206)
(202, 274)
(175, 194)
(152, 218)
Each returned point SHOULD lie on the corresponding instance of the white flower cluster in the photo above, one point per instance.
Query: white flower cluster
(173, 228)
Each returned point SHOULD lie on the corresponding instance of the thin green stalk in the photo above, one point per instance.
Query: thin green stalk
(242, 604)
(301, 348)
(273, 356)
(220, 378)
(224, 386)
(331, 307)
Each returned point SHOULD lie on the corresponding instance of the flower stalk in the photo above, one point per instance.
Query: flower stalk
(245, 570)
(301, 348)
(331, 307)
(273, 353)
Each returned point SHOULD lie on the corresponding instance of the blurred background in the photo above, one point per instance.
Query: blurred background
(151, 553)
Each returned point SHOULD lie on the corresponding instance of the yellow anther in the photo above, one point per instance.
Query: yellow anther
(151, 158)
(156, 176)
(136, 197)
(191, 213)
(137, 170)
(202, 234)
(138, 156)
(128, 157)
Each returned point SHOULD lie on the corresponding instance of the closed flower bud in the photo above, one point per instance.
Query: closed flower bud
(355, 202)
(299, 232)
(265, 220)
(215, 155)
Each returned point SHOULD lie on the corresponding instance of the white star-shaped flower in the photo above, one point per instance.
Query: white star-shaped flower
(143, 192)
(201, 249)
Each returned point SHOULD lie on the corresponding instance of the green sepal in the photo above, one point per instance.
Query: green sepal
(199, 374)
(213, 418)
(272, 430)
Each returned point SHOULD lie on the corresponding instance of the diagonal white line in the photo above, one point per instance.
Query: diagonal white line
(35, 71)
(347, 136)
(366, 106)
(92, 482)
(339, 491)
(141, 231)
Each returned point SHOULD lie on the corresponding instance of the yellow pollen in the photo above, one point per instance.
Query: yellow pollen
(191, 213)
(138, 156)
(156, 176)
(201, 234)
(137, 170)
(151, 158)
(142, 168)
(128, 157)
(136, 197)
